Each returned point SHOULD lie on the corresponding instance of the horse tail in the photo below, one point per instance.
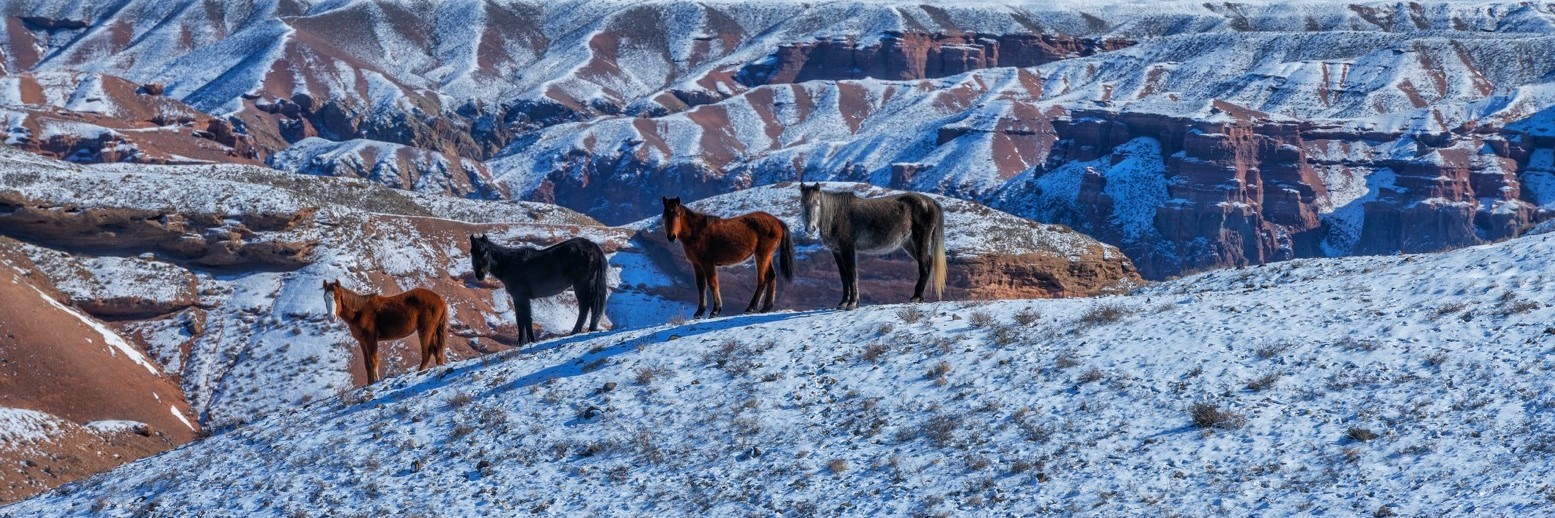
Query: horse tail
(786, 253)
(440, 333)
(937, 270)
(601, 286)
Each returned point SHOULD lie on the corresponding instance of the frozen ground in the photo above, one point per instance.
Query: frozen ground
(1403, 384)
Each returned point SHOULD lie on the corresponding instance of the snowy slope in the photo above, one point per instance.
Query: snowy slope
(1358, 389)
(243, 328)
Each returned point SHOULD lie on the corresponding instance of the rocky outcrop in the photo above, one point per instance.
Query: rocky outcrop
(207, 239)
(903, 55)
(392, 165)
(92, 118)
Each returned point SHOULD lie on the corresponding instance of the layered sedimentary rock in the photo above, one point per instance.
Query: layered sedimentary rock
(89, 117)
(392, 165)
(902, 55)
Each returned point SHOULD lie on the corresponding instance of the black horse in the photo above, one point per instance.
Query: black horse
(532, 273)
(850, 225)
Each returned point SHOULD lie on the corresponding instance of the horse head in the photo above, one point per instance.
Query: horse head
(673, 211)
(332, 297)
(810, 206)
(480, 255)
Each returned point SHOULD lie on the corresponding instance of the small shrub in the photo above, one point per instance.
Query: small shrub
(1358, 434)
(1021, 466)
(1263, 382)
(940, 429)
(1033, 431)
(1436, 359)
(1451, 307)
(1271, 350)
(1027, 317)
(980, 319)
(1103, 314)
(1066, 360)
(1209, 415)
(460, 399)
(1005, 335)
(910, 314)
(939, 370)
(885, 328)
(461, 430)
(937, 344)
(874, 352)
(837, 466)
(677, 320)
(648, 446)
(494, 418)
(1089, 376)
(1519, 307)
(643, 376)
(735, 358)
(1350, 343)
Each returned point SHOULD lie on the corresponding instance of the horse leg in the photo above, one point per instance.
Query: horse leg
(370, 356)
(845, 265)
(525, 321)
(427, 333)
(440, 337)
(921, 253)
(851, 258)
(771, 289)
(701, 287)
(596, 310)
(712, 285)
(583, 294)
(763, 265)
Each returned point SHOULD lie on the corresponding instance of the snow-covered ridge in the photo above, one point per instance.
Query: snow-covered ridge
(1352, 388)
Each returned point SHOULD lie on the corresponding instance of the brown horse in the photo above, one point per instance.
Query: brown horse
(711, 241)
(375, 317)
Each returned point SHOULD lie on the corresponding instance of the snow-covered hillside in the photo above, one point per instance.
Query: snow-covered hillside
(216, 270)
(1413, 384)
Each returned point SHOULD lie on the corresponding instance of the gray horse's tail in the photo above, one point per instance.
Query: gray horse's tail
(937, 270)
(786, 254)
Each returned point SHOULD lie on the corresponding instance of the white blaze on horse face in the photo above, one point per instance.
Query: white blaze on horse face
(329, 304)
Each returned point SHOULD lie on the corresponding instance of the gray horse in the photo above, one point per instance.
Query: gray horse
(850, 225)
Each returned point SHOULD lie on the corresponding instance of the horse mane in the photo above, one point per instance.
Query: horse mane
(499, 252)
(833, 202)
(688, 213)
(350, 301)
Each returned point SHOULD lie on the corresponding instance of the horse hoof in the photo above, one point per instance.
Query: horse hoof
(915, 299)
